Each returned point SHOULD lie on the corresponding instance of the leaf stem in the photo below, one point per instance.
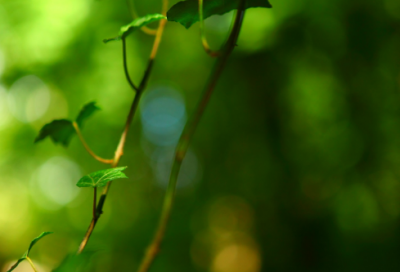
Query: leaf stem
(128, 78)
(120, 148)
(183, 143)
(78, 131)
(134, 15)
(31, 263)
(204, 42)
(94, 201)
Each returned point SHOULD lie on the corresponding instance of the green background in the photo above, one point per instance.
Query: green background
(294, 167)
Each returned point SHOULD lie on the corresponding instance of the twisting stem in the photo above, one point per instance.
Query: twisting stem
(183, 143)
(134, 15)
(31, 263)
(206, 47)
(78, 131)
(94, 201)
(128, 78)
(120, 148)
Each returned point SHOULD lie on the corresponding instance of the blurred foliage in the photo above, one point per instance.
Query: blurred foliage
(295, 166)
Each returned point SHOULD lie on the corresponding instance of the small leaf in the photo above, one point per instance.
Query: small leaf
(26, 254)
(86, 112)
(135, 25)
(187, 12)
(100, 178)
(60, 131)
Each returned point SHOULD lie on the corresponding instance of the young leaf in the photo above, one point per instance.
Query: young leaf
(60, 131)
(135, 25)
(100, 178)
(86, 112)
(187, 12)
(26, 254)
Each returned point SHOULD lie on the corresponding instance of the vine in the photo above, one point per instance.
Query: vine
(61, 131)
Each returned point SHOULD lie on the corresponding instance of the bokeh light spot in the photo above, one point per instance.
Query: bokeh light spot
(28, 99)
(237, 258)
(53, 186)
(230, 213)
(163, 116)
(257, 29)
(190, 171)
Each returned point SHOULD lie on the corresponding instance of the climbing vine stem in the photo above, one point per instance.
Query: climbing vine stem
(120, 148)
(185, 138)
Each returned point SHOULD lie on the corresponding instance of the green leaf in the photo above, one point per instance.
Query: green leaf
(60, 131)
(135, 25)
(187, 12)
(26, 254)
(86, 112)
(100, 178)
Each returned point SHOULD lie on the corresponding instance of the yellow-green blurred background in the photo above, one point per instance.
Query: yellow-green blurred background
(294, 167)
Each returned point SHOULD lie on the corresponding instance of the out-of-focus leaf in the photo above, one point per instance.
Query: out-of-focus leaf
(76, 263)
(86, 112)
(26, 254)
(100, 178)
(187, 12)
(60, 131)
(135, 25)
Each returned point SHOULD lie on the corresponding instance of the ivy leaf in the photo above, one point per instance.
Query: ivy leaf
(100, 178)
(135, 25)
(60, 131)
(26, 254)
(187, 12)
(86, 112)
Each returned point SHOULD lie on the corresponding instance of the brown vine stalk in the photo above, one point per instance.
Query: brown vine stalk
(98, 210)
(187, 134)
